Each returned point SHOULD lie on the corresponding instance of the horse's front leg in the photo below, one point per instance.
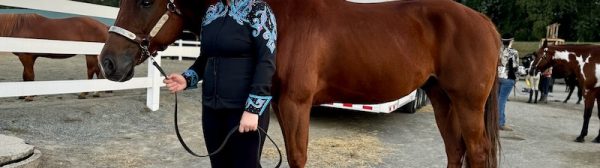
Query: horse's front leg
(92, 68)
(294, 115)
(590, 96)
(597, 139)
(28, 60)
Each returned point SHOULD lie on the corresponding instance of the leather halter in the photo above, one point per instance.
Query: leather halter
(144, 40)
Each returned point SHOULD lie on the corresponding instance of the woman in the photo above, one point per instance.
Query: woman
(237, 64)
(545, 84)
(507, 76)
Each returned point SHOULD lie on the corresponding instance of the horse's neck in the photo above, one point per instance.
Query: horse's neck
(193, 12)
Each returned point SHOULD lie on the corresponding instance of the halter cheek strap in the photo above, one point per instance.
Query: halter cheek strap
(125, 33)
(133, 37)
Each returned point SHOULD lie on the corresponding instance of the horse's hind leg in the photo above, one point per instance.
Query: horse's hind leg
(597, 139)
(448, 125)
(571, 87)
(587, 114)
(28, 60)
(92, 64)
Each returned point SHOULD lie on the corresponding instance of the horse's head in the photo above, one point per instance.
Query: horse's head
(141, 29)
(544, 57)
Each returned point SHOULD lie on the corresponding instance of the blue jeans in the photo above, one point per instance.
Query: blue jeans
(506, 86)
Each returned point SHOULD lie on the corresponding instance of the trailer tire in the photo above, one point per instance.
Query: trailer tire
(414, 105)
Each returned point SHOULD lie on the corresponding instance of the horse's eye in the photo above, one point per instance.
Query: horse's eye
(146, 3)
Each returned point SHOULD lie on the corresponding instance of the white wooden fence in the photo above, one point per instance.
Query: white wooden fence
(183, 50)
(152, 82)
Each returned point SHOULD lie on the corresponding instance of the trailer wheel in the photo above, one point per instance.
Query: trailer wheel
(410, 107)
(423, 100)
(413, 106)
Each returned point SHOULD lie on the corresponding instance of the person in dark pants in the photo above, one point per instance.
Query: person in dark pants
(545, 84)
(506, 77)
(237, 64)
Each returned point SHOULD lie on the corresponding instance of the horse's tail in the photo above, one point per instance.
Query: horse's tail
(491, 126)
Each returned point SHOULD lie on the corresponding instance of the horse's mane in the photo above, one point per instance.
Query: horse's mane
(13, 22)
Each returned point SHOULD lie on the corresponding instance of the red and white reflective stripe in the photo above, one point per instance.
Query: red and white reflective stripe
(352, 106)
(376, 108)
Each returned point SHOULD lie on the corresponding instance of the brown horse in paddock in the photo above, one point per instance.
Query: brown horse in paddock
(584, 60)
(334, 50)
(39, 27)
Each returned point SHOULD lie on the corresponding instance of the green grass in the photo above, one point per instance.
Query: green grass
(526, 47)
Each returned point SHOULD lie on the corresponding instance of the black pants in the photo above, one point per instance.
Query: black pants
(242, 150)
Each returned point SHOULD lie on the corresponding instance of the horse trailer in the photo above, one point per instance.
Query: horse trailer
(409, 103)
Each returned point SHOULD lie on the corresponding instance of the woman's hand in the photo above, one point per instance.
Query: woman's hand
(175, 83)
(249, 122)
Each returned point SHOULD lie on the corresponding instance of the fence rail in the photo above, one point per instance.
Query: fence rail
(65, 6)
(152, 82)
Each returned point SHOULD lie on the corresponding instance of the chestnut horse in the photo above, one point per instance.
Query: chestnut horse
(334, 50)
(584, 60)
(39, 27)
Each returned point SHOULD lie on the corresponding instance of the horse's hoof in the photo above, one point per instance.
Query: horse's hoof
(580, 139)
(81, 97)
(597, 140)
(96, 95)
(578, 103)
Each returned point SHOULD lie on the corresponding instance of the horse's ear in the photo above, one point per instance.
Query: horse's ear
(545, 43)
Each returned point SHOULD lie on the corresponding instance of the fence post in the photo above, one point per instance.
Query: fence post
(153, 92)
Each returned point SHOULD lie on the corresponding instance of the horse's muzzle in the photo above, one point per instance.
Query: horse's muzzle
(120, 71)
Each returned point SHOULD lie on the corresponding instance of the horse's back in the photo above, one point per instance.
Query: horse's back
(405, 43)
(83, 28)
(37, 26)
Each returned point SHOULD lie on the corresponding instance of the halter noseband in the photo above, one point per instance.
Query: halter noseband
(144, 40)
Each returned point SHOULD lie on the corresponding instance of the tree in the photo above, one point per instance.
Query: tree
(527, 19)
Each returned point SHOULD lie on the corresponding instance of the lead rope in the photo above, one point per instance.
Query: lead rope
(226, 137)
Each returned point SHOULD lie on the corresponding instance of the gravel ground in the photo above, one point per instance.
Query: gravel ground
(116, 130)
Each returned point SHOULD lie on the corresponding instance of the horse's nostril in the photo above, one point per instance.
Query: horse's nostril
(108, 66)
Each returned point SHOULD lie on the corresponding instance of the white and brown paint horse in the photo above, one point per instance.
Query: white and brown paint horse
(584, 62)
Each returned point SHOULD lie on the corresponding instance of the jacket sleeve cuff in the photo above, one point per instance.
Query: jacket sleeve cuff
(191, 78)
(257, 104)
